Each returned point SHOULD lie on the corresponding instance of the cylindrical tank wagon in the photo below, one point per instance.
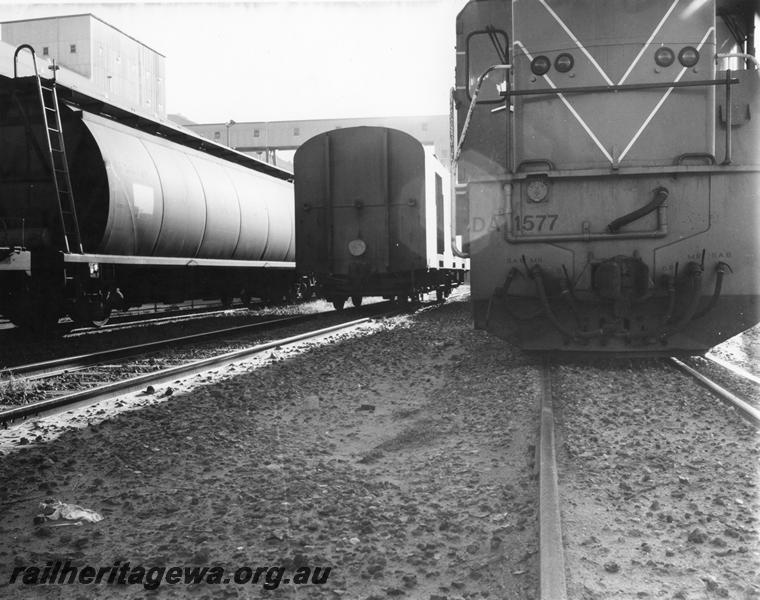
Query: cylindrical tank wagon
(158, 214)
(373, 216)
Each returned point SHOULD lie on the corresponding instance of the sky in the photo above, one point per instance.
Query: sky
(282, 59)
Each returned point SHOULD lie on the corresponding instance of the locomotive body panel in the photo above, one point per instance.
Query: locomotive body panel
(611, 44)
(610, 208)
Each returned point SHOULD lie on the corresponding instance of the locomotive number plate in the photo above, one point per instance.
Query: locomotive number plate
(535, 222)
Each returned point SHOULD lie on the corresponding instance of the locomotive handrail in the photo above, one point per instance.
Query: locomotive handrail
(455, 156)
(627, 87)
(455, 249)
(15, 59)
(743, 55)
(472, 105)
(536, 161)
(710, 158)
(729, 118)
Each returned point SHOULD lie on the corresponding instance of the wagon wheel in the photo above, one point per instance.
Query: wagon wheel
(35, 311)
(100, 316)
(306, 291)
(356, 300)
(44, 319)
(245, 298)
(338, 302)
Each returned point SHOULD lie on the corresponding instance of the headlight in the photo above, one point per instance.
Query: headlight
(564, 62)
(688, 56)
(664, 57)
(540, 65)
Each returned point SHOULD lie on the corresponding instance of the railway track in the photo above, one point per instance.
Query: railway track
(379, 435)
(16, 349)
(145, 319)
(68, 382)
(552, 583)
(69, 364)
(140, 315)
(746, 409)
(553, 565)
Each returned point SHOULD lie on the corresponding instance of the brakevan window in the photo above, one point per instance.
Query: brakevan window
(485, 49)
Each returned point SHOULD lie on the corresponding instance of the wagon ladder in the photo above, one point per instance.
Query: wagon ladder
(59, 165)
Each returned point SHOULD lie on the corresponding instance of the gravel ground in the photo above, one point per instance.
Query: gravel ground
(400, 456)
(659, 487)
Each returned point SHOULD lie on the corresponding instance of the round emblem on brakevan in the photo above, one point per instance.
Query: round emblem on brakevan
(357, 247)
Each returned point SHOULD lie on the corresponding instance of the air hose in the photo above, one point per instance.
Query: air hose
(660, 195)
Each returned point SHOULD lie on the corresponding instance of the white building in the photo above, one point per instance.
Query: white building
(127, 71)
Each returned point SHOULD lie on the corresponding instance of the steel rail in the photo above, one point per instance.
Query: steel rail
(552, 583)
(135, 319)
(745, 410)
(135, 383)
(734, 369)
(56, 366)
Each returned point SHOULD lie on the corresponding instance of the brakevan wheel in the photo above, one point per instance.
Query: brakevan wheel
(338, 302)
(356, 300)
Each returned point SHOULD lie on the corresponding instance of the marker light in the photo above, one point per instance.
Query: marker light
(564, 62)
(540, 65)
(664, 57)
(688, 56)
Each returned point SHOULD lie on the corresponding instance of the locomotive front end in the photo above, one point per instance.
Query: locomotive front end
(609, 162)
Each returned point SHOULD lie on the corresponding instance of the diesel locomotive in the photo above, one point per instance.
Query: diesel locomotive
(608, 167)
(101, 208)
(373, 217)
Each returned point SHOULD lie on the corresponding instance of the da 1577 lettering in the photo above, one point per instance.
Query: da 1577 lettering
(535, 222)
